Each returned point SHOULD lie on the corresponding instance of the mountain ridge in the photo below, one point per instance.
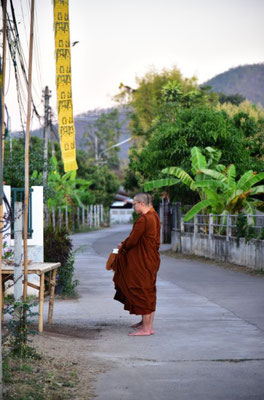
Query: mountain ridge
(246, 80)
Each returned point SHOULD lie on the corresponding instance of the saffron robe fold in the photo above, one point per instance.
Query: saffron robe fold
(137, 265)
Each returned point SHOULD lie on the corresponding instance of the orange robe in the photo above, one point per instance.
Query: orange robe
(137, 265)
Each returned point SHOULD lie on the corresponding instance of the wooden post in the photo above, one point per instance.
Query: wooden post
(18, 270)
(52, 293)
(41, 302)
(27, 150)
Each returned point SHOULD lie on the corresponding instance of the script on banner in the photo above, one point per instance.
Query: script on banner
(63, 84)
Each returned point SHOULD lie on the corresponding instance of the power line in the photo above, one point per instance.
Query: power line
(20, 52)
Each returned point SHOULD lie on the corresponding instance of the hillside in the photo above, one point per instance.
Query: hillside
(82, 121)
(247, 80)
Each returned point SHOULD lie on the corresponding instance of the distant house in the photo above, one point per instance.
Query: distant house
(121, 210)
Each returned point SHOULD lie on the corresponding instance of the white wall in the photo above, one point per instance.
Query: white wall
(36, 243)
(120, 216)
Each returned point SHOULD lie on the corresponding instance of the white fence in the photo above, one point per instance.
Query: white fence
(91, 216)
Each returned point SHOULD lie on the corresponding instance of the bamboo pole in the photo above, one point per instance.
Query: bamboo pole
(3, 76)
(2, 144)
(27, 149)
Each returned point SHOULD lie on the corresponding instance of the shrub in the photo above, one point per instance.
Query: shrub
(58, 248)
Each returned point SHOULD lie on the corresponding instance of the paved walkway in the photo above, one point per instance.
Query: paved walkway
(209, 329)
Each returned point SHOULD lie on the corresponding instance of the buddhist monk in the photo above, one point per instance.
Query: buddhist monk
(137, 265)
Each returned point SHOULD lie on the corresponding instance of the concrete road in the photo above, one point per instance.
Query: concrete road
(209, 329)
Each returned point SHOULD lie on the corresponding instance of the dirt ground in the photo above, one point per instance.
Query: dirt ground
(64, 371)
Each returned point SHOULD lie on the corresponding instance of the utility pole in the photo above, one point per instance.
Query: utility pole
(46, 132)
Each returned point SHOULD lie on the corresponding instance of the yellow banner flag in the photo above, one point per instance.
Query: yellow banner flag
(63, 84)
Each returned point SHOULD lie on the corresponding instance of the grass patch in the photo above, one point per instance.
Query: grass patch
(39, 379)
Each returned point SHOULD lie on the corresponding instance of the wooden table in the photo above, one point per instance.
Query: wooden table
(40, 269)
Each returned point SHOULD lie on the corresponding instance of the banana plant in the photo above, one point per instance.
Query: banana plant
(66, 189)
(216, 185)
(198, 161)
(228, 195)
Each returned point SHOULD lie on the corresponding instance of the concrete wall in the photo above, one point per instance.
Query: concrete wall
(220, 248)
(36, 243)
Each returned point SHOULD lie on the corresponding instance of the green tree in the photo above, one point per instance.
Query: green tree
(105, 182)
(157, 93)
(172, 140)
(14, 161)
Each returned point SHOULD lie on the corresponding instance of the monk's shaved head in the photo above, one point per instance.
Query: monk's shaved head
(143, 198)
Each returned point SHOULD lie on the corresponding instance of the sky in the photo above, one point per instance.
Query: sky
(122, 39)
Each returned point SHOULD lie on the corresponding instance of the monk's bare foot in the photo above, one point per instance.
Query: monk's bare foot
(141, 332)
(136, 326)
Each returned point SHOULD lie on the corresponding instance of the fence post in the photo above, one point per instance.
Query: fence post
(102, 214)
(78, 217)
(46, 216)
(87, 215)
(211, 235)
(91, 216)
(83, 219)
(59, 216)
(53, 218)
(211, 224)
(66, 218)
(182, 225)
(195, 226)
(98, 215)
(228, 227)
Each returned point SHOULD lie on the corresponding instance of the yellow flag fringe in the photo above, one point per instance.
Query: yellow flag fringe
(63, 84)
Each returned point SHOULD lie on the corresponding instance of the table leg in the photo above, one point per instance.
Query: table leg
(2, 300)
(52, 293)
(41, 302)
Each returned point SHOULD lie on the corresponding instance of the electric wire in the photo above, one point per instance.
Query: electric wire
(7, 217)
(21, 55)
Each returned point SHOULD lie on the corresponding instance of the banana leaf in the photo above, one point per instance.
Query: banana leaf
(159, 183)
